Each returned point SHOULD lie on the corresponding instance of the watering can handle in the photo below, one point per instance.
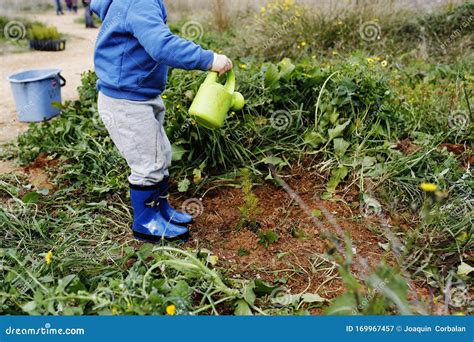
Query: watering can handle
(229, 85)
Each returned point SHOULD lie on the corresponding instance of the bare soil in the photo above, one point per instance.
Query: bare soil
(298, 260)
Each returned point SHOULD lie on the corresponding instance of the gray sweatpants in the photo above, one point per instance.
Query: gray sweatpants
(136, 128)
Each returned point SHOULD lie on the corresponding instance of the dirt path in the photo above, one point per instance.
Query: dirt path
(77, 58)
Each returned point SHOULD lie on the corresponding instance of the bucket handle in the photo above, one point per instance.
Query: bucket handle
(63, 80)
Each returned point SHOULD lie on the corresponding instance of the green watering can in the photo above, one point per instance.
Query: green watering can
(214, 100)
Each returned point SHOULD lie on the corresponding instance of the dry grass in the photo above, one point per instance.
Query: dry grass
(17, 7)
(191, 6)
(223, 8)
(220, 12)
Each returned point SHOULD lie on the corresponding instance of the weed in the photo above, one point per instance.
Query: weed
(267, 238)
(250, 210)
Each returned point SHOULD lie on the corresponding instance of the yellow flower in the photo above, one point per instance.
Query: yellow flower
(384, 64)
(49, 258)
(178, 106)
(335, 53)
(428, 187)
(115, 311)
(313, 57)
(303, 44)
(243, 66)
(213, 259)
(370, 60)
(164, 96)
(171, 310)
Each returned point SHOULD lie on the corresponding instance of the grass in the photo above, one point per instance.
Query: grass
(366, 119)
(281, 30)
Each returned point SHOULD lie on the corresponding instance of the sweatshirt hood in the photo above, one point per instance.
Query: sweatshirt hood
(101, 7)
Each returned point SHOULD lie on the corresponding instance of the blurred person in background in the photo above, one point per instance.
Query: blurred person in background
(59, 7)
(74, 6)
(88, 14)
(69, 5)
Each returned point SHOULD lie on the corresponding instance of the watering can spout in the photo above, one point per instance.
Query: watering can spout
(214, 100)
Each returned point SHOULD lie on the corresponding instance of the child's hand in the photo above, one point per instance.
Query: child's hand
(221, 64)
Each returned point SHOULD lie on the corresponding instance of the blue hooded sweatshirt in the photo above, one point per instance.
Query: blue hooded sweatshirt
(135, 47)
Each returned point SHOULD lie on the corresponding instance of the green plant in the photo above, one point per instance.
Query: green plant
(40, 32)
(243, 252)
(267, 238)
(250, 210)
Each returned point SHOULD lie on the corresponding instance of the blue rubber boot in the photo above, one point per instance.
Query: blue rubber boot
(148, 222)
(168, 212)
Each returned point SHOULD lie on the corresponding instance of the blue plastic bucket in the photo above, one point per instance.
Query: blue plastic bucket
(35, 92)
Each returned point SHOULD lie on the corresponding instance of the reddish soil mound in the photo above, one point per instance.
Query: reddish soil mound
(297, 259)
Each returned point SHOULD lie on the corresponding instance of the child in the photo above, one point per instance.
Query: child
(133, 52)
